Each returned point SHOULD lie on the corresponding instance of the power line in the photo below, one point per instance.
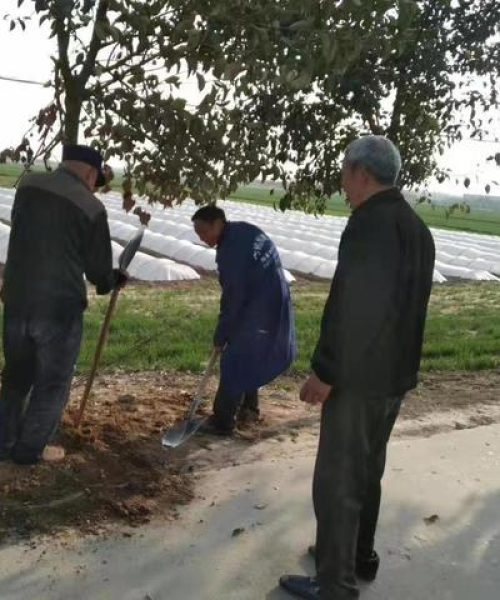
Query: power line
(16, 80)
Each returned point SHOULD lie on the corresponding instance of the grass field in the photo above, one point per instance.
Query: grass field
(170, 328)
(434, 216)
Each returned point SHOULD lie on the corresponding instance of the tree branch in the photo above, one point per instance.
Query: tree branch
(94, 46)
(63, 36)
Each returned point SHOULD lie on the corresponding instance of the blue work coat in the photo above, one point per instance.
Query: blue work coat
(256, 319)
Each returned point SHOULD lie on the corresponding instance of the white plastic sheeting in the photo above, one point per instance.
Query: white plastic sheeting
(149, 268)
(171, 238)
(143, 266)
(4, 241)
(5, 211)
(307, 245)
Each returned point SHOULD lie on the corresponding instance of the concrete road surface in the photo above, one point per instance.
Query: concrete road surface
(455, 557)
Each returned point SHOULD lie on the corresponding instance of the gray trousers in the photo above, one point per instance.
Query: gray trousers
(350, 463)
(40, 355)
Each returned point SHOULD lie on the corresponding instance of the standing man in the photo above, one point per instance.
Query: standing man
(59, 234)
(255, 331)
(366, 359)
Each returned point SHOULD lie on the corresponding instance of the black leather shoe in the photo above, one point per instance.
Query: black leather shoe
(366, 566)
(301, 586)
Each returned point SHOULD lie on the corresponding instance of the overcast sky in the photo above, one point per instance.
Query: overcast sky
(27, 56)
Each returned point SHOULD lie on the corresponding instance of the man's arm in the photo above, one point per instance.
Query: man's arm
(233, 276)
(99, 257)
(361, 303)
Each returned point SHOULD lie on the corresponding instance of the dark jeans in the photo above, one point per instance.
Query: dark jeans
(349, 467)
(40, 354)
(227, 405)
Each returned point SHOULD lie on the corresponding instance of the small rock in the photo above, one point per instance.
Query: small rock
(260, 506)
(431, 520)
(238, 531)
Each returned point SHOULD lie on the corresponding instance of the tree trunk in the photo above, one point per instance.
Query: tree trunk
(73, 108)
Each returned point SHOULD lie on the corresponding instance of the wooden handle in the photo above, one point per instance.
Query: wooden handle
(100, 345)
(198, 397)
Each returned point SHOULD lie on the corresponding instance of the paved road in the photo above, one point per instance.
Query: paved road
(455, 476)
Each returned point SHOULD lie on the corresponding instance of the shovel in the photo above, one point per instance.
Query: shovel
(183, 430)
(124, 261)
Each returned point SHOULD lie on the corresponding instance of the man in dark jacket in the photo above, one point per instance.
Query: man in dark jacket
(255, 331)
(366, 359)
(59, 234)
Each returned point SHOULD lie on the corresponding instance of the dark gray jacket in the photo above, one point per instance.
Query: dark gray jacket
(59, 233)
(373, 323)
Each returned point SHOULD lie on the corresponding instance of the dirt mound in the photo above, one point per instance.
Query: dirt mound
(115, 467)
(117, 470)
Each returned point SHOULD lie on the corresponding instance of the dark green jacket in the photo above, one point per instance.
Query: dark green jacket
(59, 234)
(374, 318)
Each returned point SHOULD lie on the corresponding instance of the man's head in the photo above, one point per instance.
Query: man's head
(371, 164)
(209, 221)
(86, 162)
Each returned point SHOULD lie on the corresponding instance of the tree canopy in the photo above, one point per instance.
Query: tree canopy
(282, 87)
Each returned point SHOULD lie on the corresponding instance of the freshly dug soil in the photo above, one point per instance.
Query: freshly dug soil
(117, 470)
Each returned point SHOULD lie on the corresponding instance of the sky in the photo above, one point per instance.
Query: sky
(27, 56)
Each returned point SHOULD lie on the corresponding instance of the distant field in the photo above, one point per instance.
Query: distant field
(434, 216)
(9, 174)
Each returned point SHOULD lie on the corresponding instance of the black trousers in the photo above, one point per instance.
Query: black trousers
(40, 355)
(350, 463)
(227, 405)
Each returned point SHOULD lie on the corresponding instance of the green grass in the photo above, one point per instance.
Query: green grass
(9, 174)
(170, 328)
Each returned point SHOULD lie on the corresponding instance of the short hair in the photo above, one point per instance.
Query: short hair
(209, 214)
(378, 155)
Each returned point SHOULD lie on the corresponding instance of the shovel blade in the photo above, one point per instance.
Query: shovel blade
(181, 432)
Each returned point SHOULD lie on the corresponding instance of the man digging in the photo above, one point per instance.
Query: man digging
(59, 234)
(366, 359)
(255, 332)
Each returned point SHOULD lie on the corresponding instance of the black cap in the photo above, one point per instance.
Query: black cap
(87, 155)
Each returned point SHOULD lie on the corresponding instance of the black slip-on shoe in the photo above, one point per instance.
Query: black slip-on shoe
(366, 566)
(301, 586)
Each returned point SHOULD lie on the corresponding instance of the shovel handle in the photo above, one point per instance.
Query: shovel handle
(198, 397)
(100, 345)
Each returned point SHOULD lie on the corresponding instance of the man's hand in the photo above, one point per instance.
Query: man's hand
(314, 391)
(121, 278)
